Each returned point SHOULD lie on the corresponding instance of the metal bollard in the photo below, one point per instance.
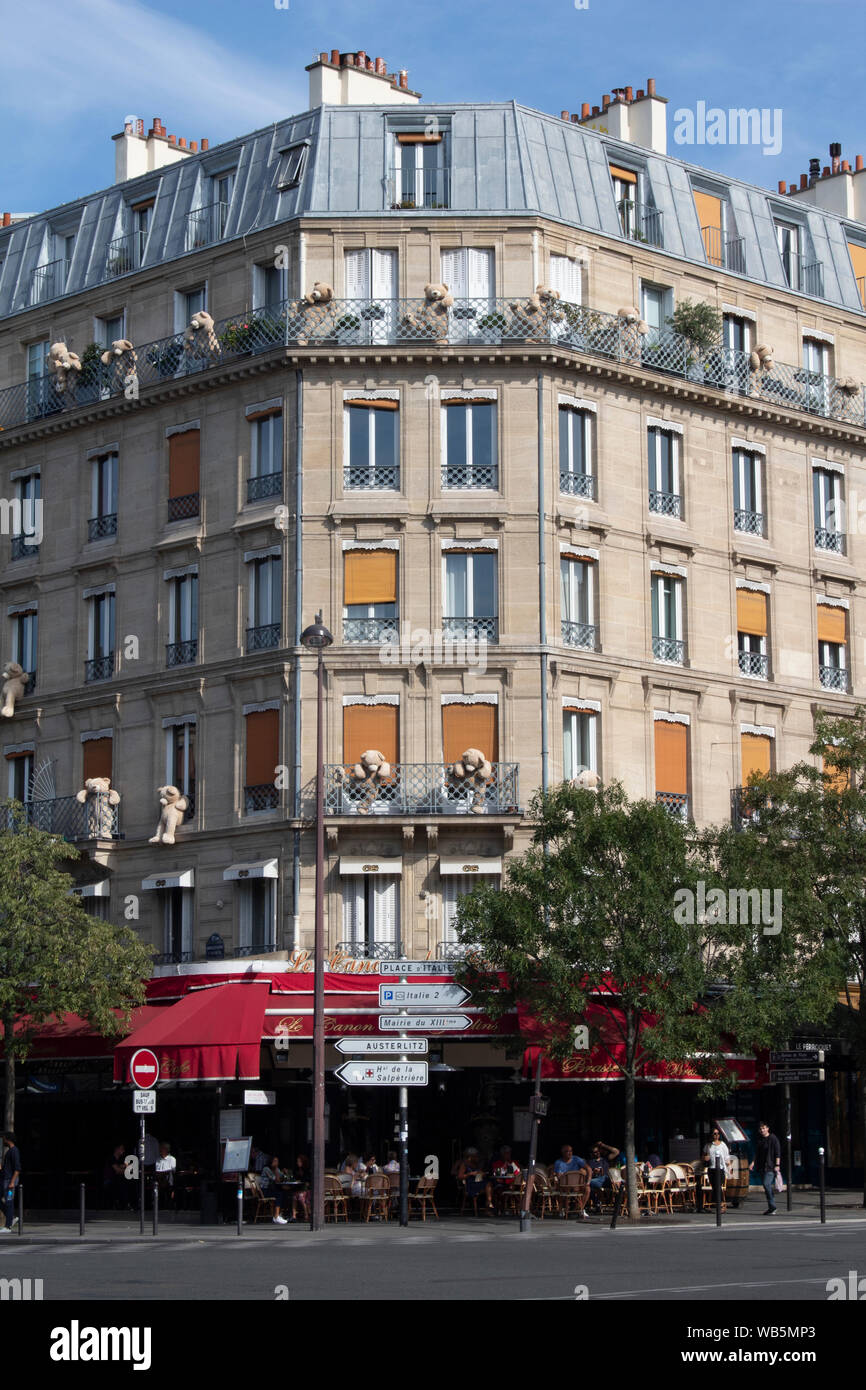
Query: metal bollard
(617, 1205)
(240, 1210)
(20, 1209)
(156, 1208)
(718, 1185)
(81, 1192)
(822, 1159)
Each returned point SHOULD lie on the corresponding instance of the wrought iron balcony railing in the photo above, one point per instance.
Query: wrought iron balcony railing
(728, 253)
(264, 797)
(460, 629)
(264, 948)
(834, 678)
(383, 477)
(458, 475)
(577, 484)
(826, 539)
(752, 523)
(371, 950)
(754, 664)
(260, 639)
(583, 635)
(803, 274)
(746, 804)
(125, 254)
(205, 225)
(49, 281)
(265, 485)
(471, 322)
(94, 819)
(99, 528)
(359, 631)
(414, 190)
(22, 548)
(454, 950)
(418, 789)
(677, 803)
(182, 653)
(99, 668)
(640, 222)
(666, 504)
(183, 508)
(669, 649)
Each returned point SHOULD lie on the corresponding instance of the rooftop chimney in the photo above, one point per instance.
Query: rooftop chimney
(637, 120)
(135, 154)
(354, 79)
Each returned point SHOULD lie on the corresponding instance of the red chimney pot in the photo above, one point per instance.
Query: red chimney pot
(381, 67)
(172, 139)
(596, 110)
(335, 57)
(629, 94)
(605, 101)
(804, 180)
(7, 219)
(193, 145)
(181, 144)
(584, 111)
(404, 78)
(639, 94)
(782, 185)
(205, 144)
(858, 163)
(825, 172)
(650, 86)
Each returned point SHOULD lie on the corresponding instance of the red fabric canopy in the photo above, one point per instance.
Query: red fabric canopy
(212, 1034)
(69, 1035)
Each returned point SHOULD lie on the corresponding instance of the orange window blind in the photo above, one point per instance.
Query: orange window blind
(671, 755)
(858, 261)
(370, 576)
(97, 758)
(418, 138)
(839, 780)
(627, 175)
(374, 405)
(183, 464)
(831, 624)
(754, 755)
(709, 210)
(263, 746)
(470, 726)
(752, 612)
(370, 726)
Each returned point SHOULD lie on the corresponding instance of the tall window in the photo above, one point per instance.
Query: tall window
(269, 287)
(469, 443)
(257, 916)
(368, 726)
(27, 517)
(749, 515)
(565, 277)
(265, 603)
(672, 766)
(177, 910)
(755, 755)
(371, 444)
(470, 601)
(667, 618)
(109, 330)
(19, 777)
(369, 595)
(371, 280)
(656, 307)
(575, 452)
(180, 761)
(103, 498)
(142, 217)
(579, 742)
(469, 273)
(371, 914)
(100, 645)
(183, 475)
(663, 452)
(40, 392)
(576, 587)
(223, 187)
(182, 648)
(266, 457)
(626, 197)
(832, 647)
(828, 509)
(816, 375)
(25, 634)
(788, 240)
(752, 634)
(420, 173)
(262, 757)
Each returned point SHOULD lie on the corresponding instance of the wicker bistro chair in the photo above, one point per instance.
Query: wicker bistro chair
(573, 1191)
(511, 1198)
(654, 1189)
(679, 1196)
(614, 1189)
(544, 1195)
(335, 1198)
(424, 1196)
(376, 1198)
(264, 1204)
(706, 1188)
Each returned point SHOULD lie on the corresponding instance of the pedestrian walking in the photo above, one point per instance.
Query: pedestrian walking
(767, 1163)
(11, 1177)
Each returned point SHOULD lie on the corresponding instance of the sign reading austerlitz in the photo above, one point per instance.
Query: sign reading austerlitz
(424, 1023)
(383, 1073)
(371, 1045)
(423, 996)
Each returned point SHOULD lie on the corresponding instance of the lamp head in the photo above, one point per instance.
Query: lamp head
(317, 635)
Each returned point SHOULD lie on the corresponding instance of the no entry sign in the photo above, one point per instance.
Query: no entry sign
(144, 1069)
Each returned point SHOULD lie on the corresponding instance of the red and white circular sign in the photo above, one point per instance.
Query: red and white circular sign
(144, 1069)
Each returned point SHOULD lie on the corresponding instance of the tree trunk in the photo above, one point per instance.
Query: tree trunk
(863, 1119)
(630, 1173)
(9, 1077)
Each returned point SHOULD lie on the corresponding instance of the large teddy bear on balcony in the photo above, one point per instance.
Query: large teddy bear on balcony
(473, 767)
(65, 367)
(200, 340)
(15, 680)
(122, 358)
(173, 805)
(369, 772)
(100, 798)
(431, 320)
(762, 359)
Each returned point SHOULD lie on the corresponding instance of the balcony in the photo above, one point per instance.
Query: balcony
(206, 225)
(728, 253)
(861, 289)
(183, 508)
(371, 950)
(457, 476)
(803, 274)
(756, 665)
(266, 485)
(421, 789)
(583, 635)
(100, 528)
(49, 281)
(676, 803)
(462, 629)
(577, 485)
(369, 631)
(826, 539)
(261, 639)
(182, 653)
(666, 504)
(750, 523)
(381, 478)
(746, 803)
(408, 323)
(834, 678)
(125, 254)
(94, 819)
(414, 190)
(99, 668)
(22, 548)
(640, 222)
(264, 797)
(669, 649)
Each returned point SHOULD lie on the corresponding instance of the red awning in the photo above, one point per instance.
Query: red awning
(69, 1035)
(212, 1034)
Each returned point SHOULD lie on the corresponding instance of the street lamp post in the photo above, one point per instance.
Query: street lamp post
(317, 638)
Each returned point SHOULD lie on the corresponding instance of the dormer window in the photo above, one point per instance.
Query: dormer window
(293, 161)
(722, 247)
(799, 266)
(420, 172)
(638, 219)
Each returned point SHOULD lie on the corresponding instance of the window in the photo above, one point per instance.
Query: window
(565, 277)
(470, 601)
(371, 445)
(183, 475)
(755, 756)
(470, 726)
(257, 916)
(816, 375)
(801, 271)
(371, 279)
(752, 634)
(576, 586)
(25, 634)
(108, 331)
(656, 308)
(266, 457)
(371, 914)
(177, 911)
(142, 217)
(832, 660)
(182, 648)
(469, 273)
(858, 265)
(829, 510)
(27, 516)
(262, 760)
(97, 758)
(269, 287)
(639, 220)
(369, 596)
(102, 523)
(721, 247)
(265, 603)
(223, 187)
(734, 373)
(575, 452)
(94, 906)
(454, 888)
(671, 766)
(180, 761)
(293, 161)
(663, 450)
(579, 742)
(186, 304)
(368, 726)
(748, 471)
(469, 443)
(100, 641)
(667, 619)
(19, 775)
(420, 176)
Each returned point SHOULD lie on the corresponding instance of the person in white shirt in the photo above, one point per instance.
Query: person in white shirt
(718, 1157)
(393, 1164)
(166, 1163)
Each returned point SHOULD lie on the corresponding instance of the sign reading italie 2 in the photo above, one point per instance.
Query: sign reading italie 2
(383, 1073)
(144, 1069)
(423, 996)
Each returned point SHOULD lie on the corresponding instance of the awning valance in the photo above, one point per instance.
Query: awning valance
(468, 865)
(173, 878)
(262, 868)
(370, 864)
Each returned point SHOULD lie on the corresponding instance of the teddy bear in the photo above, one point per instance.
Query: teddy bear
(587, 780)
(15, 680)
(537, 312)
(431, 320)
(473, 767)
(761, 359)
(370, 771)
(312, 313)
(122, 358)
(200, 340)
(848, 385)
(64, 367)
(100, 798)
(633, 329)
(173, 806)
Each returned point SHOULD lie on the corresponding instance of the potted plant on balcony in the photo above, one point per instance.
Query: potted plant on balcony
(700, 324)
(238, 338)
(492, 326)
(347, 328)
(165, 358)
(92, 375)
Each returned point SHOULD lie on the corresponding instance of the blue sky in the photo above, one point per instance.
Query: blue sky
(217, 68)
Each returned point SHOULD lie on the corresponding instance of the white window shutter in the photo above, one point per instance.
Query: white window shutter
(387, 906)
(383, 274)
(353, 910)
(454, 272)
(565, 277)
(449, 906)
(357, 267)
(480, 273)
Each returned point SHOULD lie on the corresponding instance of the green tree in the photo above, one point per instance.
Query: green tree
(54, 958)
(698, 322)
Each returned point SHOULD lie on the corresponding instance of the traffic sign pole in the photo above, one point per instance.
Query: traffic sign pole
(404, 1136)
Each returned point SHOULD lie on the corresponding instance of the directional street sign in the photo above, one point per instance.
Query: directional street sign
(383, 1073)
(418, 967)
(797, 1059)
(795, 1074)
(424, 1023)
(369, 1046)
(144, 1069)
(144, 1102)
(422, 996)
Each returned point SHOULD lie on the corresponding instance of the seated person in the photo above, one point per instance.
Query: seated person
(470, 1171)
(166, 1163)
(371, 1164)
(393, 1164)
(271, 1184)
(117, 1189)
(600, 1167)
(504, 1173)
(301, 1196)
(569, 1162)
